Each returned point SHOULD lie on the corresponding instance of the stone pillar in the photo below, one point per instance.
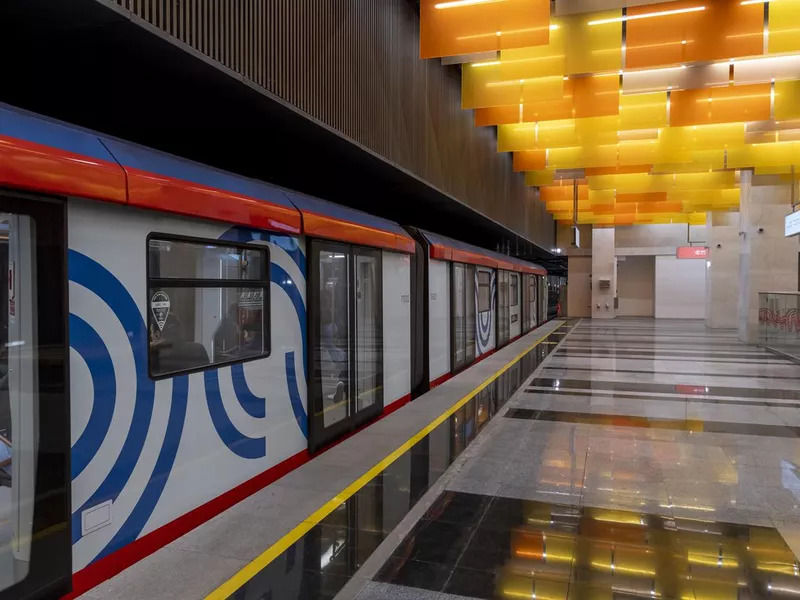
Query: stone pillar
(767, 259)
(603, 268)
(722, 275)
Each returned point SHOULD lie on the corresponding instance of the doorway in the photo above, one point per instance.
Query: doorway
(345, 291)
(35, 546)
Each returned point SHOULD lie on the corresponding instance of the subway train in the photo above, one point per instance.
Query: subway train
(175, 337)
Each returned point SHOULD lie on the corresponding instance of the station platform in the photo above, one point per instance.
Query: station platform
(306, 535)
(634, 458)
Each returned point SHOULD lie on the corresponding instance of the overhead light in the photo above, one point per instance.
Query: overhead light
(749, 2)
(460, 3)
(662, 13)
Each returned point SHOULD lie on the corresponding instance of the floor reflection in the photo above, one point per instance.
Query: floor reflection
(696, 425)
(490, 547)
(320, 563)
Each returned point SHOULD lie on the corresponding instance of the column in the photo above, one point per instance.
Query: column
(603, 270)
(722, 275)
(767, 259)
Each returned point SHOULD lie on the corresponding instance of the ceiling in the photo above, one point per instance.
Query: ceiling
(636, 114)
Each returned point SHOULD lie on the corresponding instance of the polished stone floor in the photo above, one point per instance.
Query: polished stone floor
(644, 459)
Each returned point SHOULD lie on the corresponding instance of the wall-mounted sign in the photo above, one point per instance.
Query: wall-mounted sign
(791, 224)
(692, 252)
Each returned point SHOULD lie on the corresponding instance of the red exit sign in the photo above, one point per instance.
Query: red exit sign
(692, 252)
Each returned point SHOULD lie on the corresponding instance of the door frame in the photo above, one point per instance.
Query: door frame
(319, 435)
(50, 571)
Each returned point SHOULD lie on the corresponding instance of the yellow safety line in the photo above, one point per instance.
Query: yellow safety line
(260, 562)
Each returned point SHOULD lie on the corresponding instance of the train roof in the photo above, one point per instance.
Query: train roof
(445, 248)
(45, 155)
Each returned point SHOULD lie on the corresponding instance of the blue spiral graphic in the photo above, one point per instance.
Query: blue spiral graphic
(87, 273)
(91, 348)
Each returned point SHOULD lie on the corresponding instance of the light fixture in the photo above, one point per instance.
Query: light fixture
(662, 13)
(460, 3)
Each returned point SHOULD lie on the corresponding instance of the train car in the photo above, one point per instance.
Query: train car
(176, 337)
(471, 302)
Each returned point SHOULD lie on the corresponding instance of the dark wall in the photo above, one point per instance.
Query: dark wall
(354, 66)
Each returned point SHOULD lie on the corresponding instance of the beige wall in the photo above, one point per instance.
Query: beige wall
(767, 259)
(636, 286)
(579, 294)
(603, 268)
(564, 238)
(659, 236)
(722, 276)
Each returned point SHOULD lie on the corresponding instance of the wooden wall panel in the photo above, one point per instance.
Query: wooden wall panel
(354, 65)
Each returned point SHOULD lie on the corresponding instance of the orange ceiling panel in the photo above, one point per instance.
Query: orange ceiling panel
(595, 96)
(530, 160)
(452, 27)
(604, 209)
(581, 97)
(563, 192)
(548, 111)
(692, 30)
(720, 105)
(496, 115)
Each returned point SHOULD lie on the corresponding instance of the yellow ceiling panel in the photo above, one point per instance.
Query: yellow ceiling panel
(602, 197)
(593, 49)
(582, 156)
(574, 48)
(539, 178)
(638, 152)
(784, 26)
(787, 99)
(764, 155)
(643, 111)
(483, 87)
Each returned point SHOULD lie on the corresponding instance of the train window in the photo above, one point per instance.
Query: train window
(484, 291)
(514, 289)
(178, 259)
(208, 304)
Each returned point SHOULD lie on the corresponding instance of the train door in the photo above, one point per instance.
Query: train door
(420, 352)
(345, 295)
(514, 313)
(543, 298)
(35, 547)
